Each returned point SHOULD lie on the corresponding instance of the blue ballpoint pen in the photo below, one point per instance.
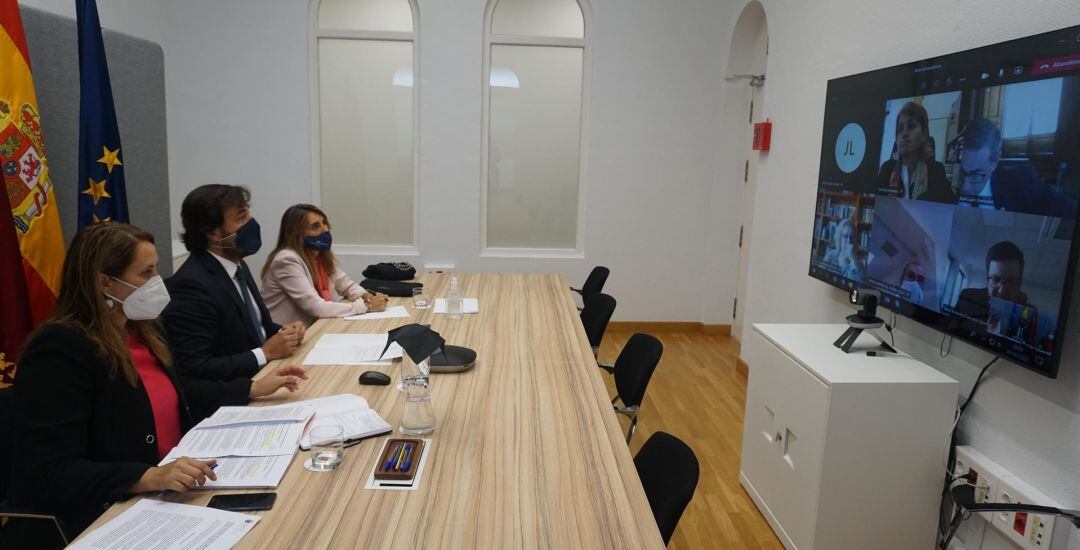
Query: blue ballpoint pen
(393, 455)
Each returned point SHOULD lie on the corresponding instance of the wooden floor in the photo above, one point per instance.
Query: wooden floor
(696, 395)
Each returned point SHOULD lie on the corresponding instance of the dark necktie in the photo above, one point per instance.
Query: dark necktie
(249, 302)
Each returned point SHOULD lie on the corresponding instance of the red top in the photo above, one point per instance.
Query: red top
(163, 397)
(322, 282)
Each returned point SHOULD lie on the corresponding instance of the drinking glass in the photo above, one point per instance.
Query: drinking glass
(327, 447)
(418, 417)
(419, 299)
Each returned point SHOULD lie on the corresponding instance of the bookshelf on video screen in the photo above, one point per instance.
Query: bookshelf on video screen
(951, 184)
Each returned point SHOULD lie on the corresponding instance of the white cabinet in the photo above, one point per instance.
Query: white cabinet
(840, 450)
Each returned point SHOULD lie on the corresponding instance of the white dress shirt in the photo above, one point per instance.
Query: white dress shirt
(231, 268)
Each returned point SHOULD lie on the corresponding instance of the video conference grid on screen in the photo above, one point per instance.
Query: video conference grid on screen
(951, 185)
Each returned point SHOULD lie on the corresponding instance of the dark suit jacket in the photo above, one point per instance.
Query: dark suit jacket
(938, 188)
(209, 326)
(974, 302)
(81, 437)
(1018, 189)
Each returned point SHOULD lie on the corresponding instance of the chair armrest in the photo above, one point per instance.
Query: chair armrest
(9, 511)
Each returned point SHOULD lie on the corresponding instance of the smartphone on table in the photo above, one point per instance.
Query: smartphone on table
(243, 502)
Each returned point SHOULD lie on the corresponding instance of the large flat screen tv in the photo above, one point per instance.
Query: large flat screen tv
(950, 185)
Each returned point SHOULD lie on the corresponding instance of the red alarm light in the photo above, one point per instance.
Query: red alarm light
(762, 135)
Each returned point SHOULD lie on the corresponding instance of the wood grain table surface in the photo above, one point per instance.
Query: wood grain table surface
(526, 453)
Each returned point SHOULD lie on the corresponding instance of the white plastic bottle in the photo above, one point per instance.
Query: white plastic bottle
(453, 300)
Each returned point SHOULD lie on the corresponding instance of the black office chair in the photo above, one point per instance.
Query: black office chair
(669, 474)
(595, 316)
(633, 369)
(43, 529)
(594, 283)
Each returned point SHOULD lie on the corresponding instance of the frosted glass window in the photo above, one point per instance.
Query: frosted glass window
(366, 139)
(366, 15)
(561, 18)
(534, 146)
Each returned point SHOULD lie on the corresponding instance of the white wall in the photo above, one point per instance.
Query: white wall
(1027, 423)
(239, 111)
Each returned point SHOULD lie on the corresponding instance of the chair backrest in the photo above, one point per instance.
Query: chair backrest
(594, 284)
(595, 316)
(669, 474)
(7, 410)
(635, 366)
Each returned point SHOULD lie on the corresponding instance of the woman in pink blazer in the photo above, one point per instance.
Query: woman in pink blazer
(301, 273)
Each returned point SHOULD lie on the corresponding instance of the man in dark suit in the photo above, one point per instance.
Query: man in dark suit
(218, 326)
(1004, 275)
(1017, 188)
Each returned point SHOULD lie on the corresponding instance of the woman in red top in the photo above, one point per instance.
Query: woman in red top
(96, 403)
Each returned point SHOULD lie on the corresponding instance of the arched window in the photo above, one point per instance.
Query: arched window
(536, 62)
(364, 123)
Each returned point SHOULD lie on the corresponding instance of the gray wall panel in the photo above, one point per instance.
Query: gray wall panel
(137, 71)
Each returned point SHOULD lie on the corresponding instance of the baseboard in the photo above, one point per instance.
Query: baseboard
(669, 326)
(742, 368)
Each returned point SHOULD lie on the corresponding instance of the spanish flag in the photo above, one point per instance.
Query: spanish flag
(26, 173)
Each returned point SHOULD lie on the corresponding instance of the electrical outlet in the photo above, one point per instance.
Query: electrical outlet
(1027, 530)
(988, 472)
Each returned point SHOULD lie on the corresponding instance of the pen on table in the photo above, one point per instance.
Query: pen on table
(392, 455)
(405, 457)
(401, 457)
(408, 459)
(168, 492)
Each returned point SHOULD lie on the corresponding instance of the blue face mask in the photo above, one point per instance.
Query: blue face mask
(319, 243)
(248, 238)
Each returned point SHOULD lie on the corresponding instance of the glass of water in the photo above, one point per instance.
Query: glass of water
(327, 447)
(419, 299)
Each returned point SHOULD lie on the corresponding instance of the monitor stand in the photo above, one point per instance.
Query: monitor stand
(856, 325)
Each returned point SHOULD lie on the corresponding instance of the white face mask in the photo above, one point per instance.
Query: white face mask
(915, 289)
(147, 301)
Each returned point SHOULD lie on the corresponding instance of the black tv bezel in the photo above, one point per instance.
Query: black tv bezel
(939, 321)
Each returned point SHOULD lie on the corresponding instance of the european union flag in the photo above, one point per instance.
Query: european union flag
(101, 170)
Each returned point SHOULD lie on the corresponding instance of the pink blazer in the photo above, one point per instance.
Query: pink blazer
(290, 294)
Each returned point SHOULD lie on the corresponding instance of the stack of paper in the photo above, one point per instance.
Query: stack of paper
(252, 445)
(351, 412)
(169, 526)
(352, 349)
(468, 305)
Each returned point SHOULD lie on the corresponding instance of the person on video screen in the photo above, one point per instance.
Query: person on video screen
(844, 254)
(984, 184)
(1004, 276)
(912, 279)
(912, 172)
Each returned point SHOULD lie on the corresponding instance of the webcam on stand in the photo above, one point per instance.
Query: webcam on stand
(865, 319)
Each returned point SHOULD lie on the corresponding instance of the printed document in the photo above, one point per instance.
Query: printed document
(169, 526)
(241, 440)
(245, 472)
(352, 349)
(388, 313)
(232, 416)
(351, 412)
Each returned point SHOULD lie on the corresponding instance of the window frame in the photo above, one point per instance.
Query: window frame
(490, 41)
(315, 32)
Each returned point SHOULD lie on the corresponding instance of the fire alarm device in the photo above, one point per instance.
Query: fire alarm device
(762, 135)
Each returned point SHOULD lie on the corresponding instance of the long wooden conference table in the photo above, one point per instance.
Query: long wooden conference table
(526, 452)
